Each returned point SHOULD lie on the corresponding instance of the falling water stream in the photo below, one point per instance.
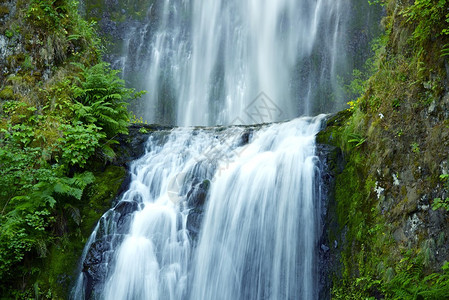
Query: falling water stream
(223, 212)
(205, 61)
(258, 235)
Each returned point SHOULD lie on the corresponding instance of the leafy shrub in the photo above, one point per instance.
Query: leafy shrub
(431, 18)
(102, 99)
(48, 13)
(49, 132)
(24, 227)
(79, 143)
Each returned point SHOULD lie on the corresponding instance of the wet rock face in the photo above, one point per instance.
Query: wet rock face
(125, 210)
(196, 199)
(95, 265)
(132, 145)
(7, 10)
(197, 194)
(101, 252)
(246, 136)
(96, 262)
(331, 164)
(194, 220)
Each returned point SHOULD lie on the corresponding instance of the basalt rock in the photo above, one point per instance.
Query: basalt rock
(331, 164)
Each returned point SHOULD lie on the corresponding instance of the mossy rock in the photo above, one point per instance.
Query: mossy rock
(331, 134)
(99, 195)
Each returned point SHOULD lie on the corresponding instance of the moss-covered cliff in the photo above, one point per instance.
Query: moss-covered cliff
(390, 201)
(61, 111)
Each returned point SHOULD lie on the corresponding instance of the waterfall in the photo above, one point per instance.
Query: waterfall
(260, 230)
(259, 233)
(223, 212)
(205, 62)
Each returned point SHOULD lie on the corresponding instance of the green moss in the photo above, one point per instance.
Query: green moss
(59, 268)
(4, 10)
(100, 194)
(380, 257)
(15, 60)
(27, 63)
(7, 93)
(332, 134)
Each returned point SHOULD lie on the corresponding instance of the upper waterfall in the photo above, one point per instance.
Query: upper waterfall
(206, 62)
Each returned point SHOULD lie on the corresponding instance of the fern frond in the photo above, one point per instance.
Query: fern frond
(67, 190)
(74, 213)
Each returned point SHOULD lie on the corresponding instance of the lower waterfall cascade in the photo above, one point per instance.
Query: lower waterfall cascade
(213, 213)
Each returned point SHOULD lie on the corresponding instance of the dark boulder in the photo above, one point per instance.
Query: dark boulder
(196, 197)
(123, 214)
(194, 220)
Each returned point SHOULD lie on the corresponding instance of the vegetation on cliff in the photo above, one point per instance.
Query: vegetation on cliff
(61, 108)
(395, 137)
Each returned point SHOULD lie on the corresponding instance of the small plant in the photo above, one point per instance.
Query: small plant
(135, 120)
(143, 130)
(376, 2)
(9, 34)
(358, 84)
(356, 140)
(445, 51)
(439, 202)
(415, 148)
(79, 142)
(396, 103)
(27, 63)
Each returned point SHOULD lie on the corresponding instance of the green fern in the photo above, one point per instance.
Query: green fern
(356, 140)
(102, 98)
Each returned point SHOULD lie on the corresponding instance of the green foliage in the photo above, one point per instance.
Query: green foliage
(53, 132)
(411, 283)
(376, 2)
(49, 14)
(415, 148)
(135, 120)
(407, 280)
(9, 34)
(27, 63)
(445, 51)
(37, 194)
(102, 98)
(442, 203)
(28, 215)
(357, 85)
(79, 142)
(356, 139)
(143, 130)
(431, 19)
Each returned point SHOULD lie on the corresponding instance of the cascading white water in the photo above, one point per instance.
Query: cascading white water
(208, 60)
(259, 232)
(228, 62)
